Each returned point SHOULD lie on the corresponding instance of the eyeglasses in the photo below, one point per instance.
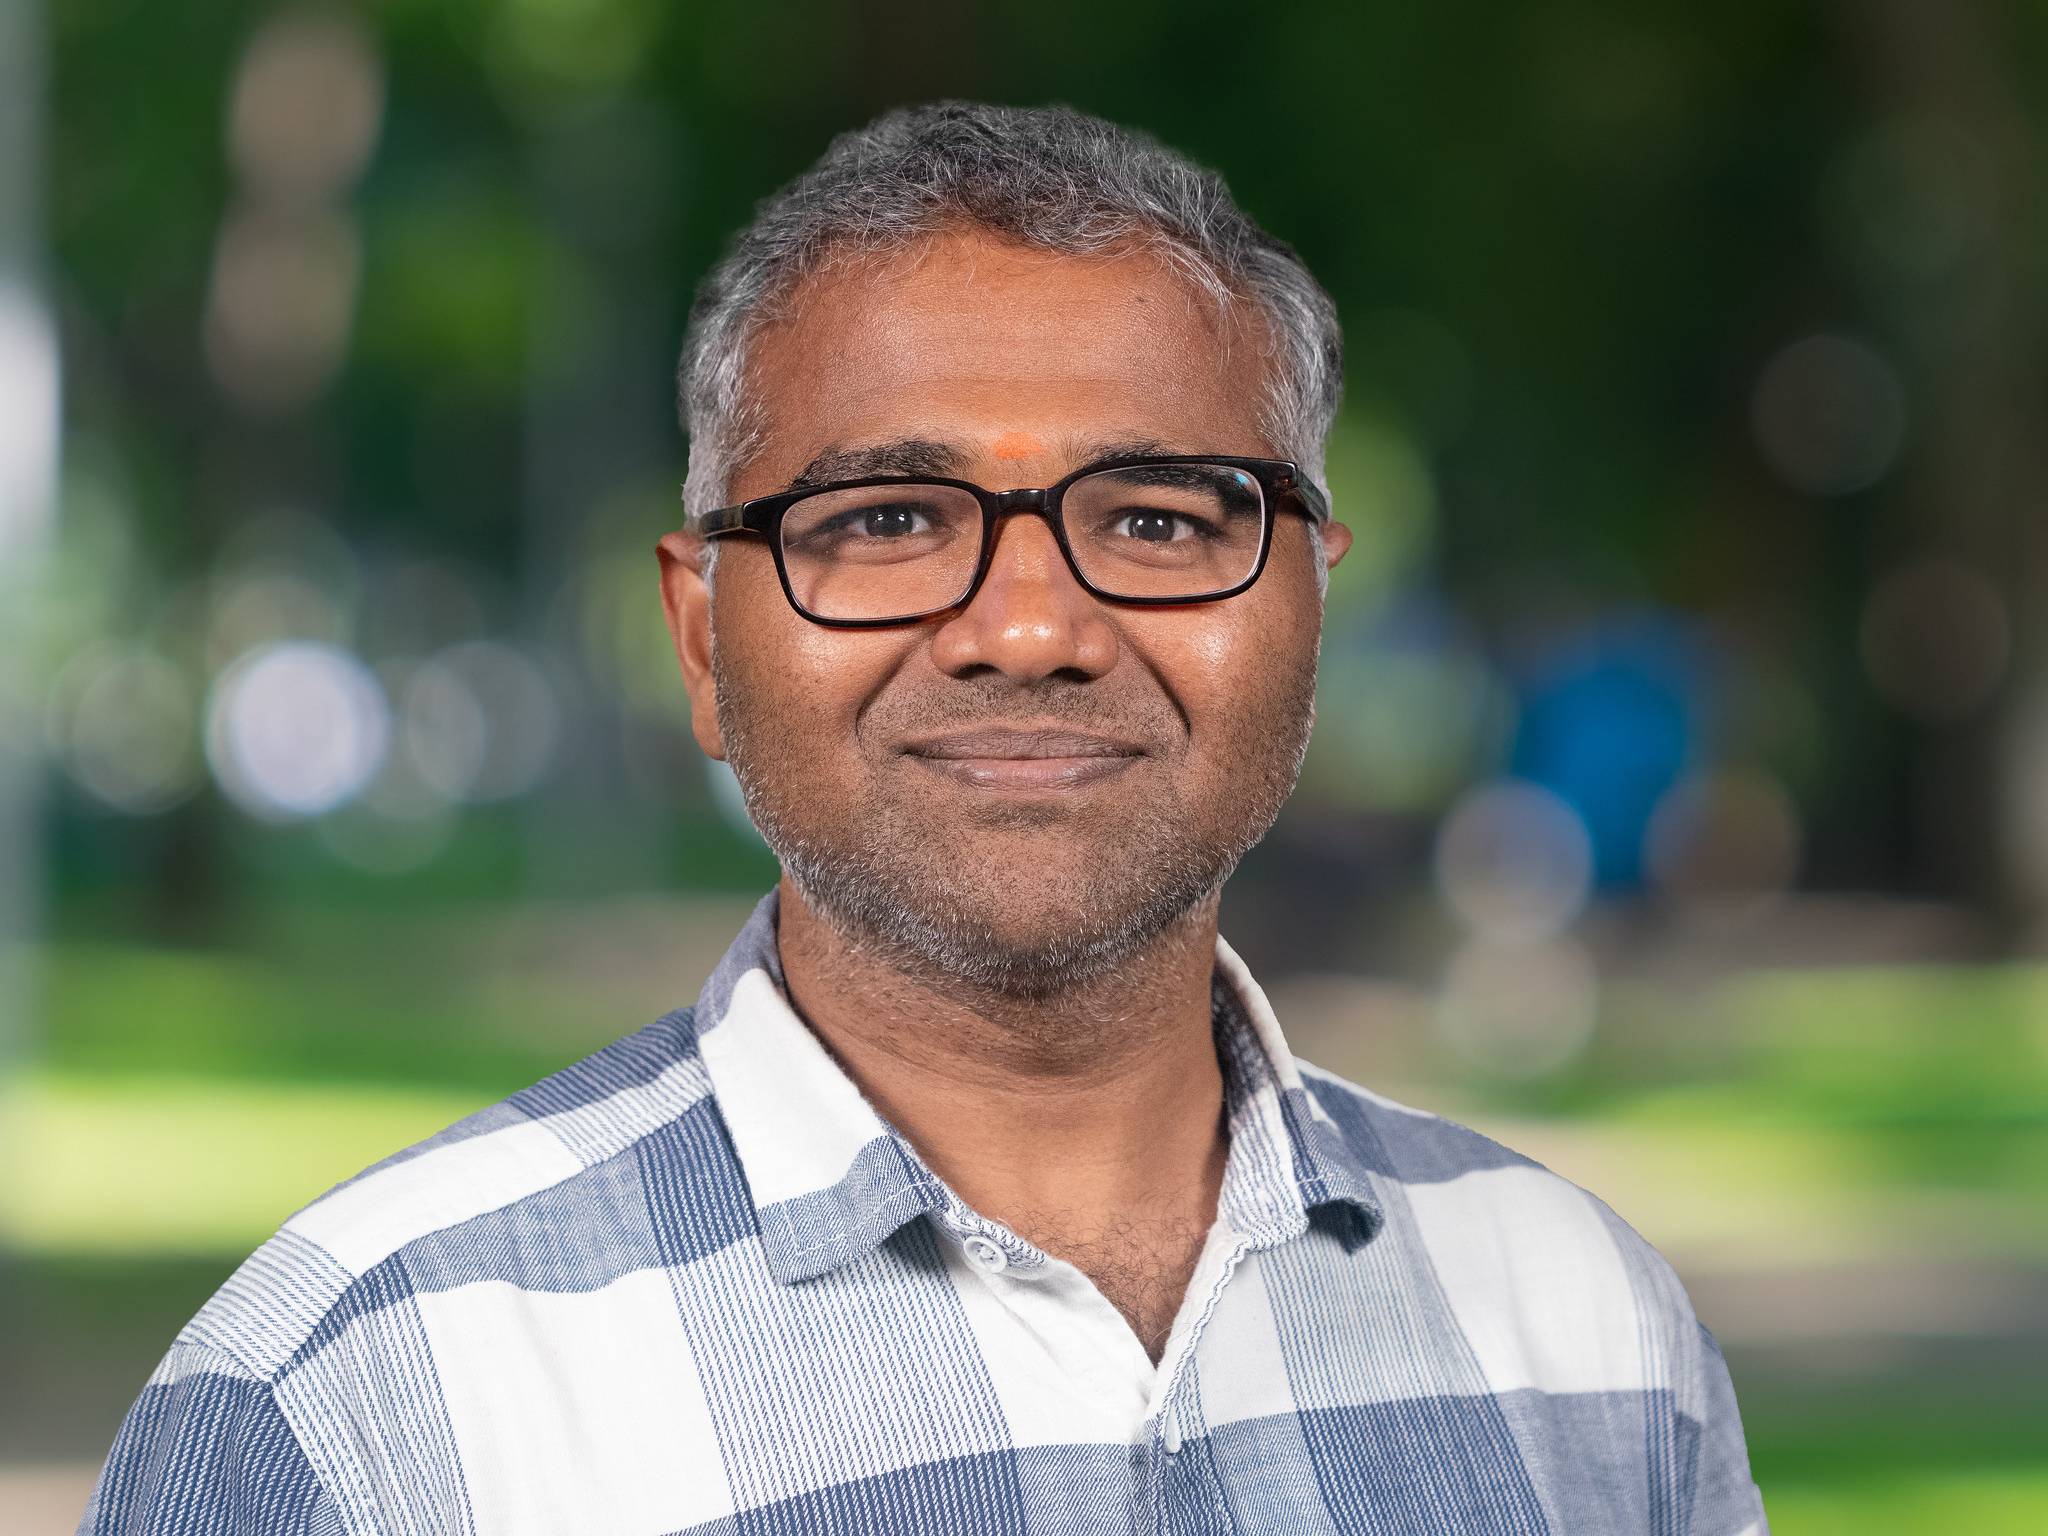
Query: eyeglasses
(1154, 529)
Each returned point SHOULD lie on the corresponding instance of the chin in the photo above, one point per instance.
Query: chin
(983, 926)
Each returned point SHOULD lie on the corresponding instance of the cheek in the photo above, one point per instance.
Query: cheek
(1217, 656)
(1241, 670)
(803, 684)
(1218, 666)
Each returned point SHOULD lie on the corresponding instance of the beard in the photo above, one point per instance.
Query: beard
(1065, 896)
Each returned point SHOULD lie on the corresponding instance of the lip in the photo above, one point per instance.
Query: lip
(1023, 757)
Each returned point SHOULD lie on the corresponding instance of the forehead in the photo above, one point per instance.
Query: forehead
(1001, 348)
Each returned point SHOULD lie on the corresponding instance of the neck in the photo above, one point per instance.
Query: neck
(1068, 1118)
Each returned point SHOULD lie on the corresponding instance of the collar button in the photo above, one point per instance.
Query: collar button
(987, 1254)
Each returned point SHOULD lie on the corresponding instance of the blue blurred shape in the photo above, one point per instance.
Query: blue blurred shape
(1608, 723)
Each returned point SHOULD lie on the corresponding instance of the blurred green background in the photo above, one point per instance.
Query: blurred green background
(1678, 810)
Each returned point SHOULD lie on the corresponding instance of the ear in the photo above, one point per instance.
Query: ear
(687, 603)
(1336, 540)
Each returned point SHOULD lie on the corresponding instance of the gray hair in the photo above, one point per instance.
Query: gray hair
(1049, 177)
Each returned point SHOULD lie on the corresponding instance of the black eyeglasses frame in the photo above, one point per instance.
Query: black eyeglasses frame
(1280, 485)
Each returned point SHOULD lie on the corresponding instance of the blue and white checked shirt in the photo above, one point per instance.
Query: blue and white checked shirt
(695, 1284)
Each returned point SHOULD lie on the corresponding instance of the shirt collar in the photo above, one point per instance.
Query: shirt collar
(830, 1179)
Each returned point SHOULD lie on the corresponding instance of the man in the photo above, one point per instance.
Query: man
(979, 1191)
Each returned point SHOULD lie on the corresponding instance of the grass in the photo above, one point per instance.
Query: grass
(189, 1166)
(1989, 1502)
(114, 1011)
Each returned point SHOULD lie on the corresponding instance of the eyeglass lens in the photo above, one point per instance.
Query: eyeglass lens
(1171, 531)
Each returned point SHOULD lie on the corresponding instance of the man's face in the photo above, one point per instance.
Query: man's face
(893, 770)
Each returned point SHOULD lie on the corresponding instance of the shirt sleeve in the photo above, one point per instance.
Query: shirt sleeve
(1725, 1497)
(206, 1451)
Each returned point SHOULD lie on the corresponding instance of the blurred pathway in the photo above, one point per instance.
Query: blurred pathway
(45, 1501)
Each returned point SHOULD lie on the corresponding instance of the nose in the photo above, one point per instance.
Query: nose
(1031, 619)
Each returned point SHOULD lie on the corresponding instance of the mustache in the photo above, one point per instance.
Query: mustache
(974, 704)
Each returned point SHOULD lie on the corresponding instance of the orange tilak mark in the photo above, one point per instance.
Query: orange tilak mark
(1016, 445)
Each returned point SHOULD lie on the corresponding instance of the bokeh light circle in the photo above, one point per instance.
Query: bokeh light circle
(482, 721)
(1829, 415)
(1519, 1008)
(128, 733)
(1723, 840)
(1514, 861)
(307, 103)
(296, 729)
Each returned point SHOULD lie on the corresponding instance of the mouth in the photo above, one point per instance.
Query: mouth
(1021, 758)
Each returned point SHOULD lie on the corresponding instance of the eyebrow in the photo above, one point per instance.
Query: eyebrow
(923, 456)
(905, 456)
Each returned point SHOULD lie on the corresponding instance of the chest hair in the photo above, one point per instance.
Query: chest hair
(1141, 1265)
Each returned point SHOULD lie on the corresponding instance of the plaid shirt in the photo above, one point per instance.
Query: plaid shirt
(695, 1284)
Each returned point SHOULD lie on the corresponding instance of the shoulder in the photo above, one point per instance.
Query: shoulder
(332, 1381)
(540, 1181)
(1551, 1288)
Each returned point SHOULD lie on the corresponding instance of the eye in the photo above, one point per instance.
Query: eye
(882, 522)
(1154, 525)
(889, 521)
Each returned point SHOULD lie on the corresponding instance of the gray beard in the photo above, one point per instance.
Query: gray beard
(892, 894)
(907, 917)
